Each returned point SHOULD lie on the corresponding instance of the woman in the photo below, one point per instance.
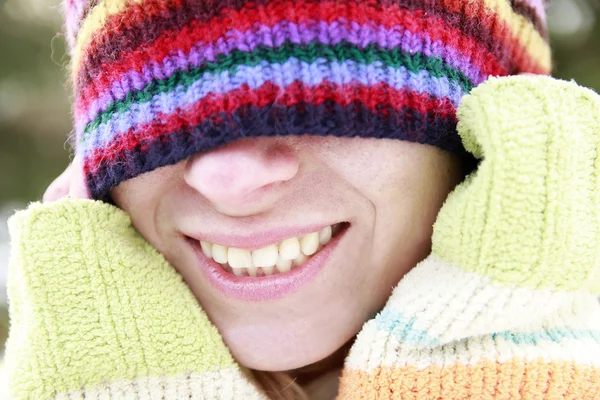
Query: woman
(288, 160)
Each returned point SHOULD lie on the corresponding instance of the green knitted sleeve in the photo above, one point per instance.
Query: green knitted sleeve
(505, 306)
(530, 215)
(96, 312)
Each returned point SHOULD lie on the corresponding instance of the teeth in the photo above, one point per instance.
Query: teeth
(239, 258)
(281, 258)
(268, 270)
(289, 249)
(325, 235)
(309, 243)
(300, 260)
(219, 253)
(206, 249)
(265, 257)
(283, 265)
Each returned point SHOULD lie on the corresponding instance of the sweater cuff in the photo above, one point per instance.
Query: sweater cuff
(530, 215)
(95, 310)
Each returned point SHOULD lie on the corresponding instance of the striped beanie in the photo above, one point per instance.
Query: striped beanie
(156, 81)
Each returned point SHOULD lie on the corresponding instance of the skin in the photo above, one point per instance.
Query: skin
(389, 190)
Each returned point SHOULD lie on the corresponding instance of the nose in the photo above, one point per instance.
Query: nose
(244, 175)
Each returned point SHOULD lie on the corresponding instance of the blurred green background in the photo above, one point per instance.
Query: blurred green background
(34, 100)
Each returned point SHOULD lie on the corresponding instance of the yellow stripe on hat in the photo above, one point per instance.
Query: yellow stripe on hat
(520, 27)
(525, 32)
(94, 22)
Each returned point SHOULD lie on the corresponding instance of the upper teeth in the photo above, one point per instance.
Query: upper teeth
(283, 255)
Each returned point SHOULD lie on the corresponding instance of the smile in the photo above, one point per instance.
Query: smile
(268, 272)
(276, 258)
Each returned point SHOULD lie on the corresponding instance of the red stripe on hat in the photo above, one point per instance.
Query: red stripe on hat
(434, 28)
(139, 26)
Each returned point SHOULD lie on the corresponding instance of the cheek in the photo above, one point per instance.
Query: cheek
(145, 199)
(407, 203)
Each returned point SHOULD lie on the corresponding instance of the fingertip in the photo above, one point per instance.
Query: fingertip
(53, 194)
(58, 189)
(78, 188)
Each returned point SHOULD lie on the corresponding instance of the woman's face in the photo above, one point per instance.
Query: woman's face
(380, 196)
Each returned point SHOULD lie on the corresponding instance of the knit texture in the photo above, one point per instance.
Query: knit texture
(97, 313)
(159, 80)
(505, 307)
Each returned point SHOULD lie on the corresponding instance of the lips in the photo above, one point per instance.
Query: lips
(269, 272)
(275, 258)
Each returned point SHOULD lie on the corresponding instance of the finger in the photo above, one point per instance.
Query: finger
(78, 188)
(59, 188)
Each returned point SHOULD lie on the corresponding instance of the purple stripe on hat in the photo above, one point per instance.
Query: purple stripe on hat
(331, 34)
(282, 75)
(327, 119)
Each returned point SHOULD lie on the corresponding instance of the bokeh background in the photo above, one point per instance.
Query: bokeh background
(34, 99)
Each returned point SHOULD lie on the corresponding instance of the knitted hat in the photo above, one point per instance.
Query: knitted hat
(159, 80)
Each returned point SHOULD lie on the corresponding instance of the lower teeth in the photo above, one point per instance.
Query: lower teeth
(280, 268)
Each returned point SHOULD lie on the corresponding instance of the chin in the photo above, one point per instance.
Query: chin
(274, 355)
(280, 362)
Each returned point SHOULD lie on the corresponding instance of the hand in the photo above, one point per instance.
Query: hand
(98, 313)
(71, 183)
(506, 304)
